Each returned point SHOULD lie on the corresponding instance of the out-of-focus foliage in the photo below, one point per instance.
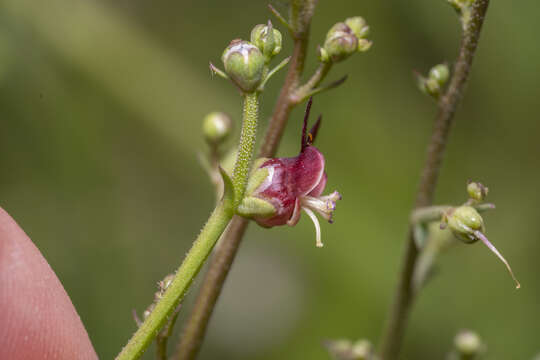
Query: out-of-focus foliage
(101, 105)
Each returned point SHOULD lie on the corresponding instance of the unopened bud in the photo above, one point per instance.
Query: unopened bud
(269, 42)
(216, 127)
(340, 42)
(362, 350)
(477, 191)
(244, 64)
(468, 344)
(434, 83)
(440, 74)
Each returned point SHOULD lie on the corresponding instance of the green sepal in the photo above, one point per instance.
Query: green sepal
(228, 188)
(252, 206)
(257, 177)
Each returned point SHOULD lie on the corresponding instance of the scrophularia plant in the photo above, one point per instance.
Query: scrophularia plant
(274, 191)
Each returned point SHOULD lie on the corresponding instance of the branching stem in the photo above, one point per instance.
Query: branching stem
(206, 240)
(448, 103)
(195, 328)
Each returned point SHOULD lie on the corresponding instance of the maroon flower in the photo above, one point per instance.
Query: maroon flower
(281, 187)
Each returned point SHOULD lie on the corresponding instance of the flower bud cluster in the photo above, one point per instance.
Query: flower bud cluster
(246, 61)
(435, 81)
(344, 39)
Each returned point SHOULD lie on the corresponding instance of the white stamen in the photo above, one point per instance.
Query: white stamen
(318, 205)
(485, 240)
(317, 226)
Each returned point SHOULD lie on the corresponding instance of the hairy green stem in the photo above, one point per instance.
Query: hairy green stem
(448, 103)
(206, 240)
(246, 147)
(195, 328)
(184, 276)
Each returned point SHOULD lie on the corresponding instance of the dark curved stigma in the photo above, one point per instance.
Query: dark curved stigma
(309, 137)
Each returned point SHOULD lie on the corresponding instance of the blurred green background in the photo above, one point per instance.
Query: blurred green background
(101, 105)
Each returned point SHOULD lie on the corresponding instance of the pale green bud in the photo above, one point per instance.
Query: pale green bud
(358, 26)
(362, 350)
(440, 73)
(216, 127)
(340, 42)
(244, 64)
(468, 344)
(464, 221)
(477, 191)
(267, 39)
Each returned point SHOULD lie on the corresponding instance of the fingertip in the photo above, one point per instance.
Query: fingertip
(37, 315)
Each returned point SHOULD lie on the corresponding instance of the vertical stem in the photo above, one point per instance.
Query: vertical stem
(220, 264)
(195, 328)
(448, 103)
(246, 146)
(205, 242)
(183, 278)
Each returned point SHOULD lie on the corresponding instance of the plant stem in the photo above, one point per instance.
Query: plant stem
(448, 103)
(303, 91)
(206, 240)
(246, 147)
(195, 328)
(182, 279)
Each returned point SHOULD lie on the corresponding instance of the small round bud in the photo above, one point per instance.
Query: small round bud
(358, 26)
(340, 42)
(464, 221)
(468, 343)
(244, 64)
(440, 74)
(362, 350)
(216, 127)
(477, 191)
(269, 42)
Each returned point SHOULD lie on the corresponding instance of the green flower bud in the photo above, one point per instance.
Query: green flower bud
(358, 26)
(216, 127)
(440, 73)
(244, 64)
(269, 42)
(340, 42)
(464, 221)
(468, 344)
(434, 83)
(362, 350)
(477, 191)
